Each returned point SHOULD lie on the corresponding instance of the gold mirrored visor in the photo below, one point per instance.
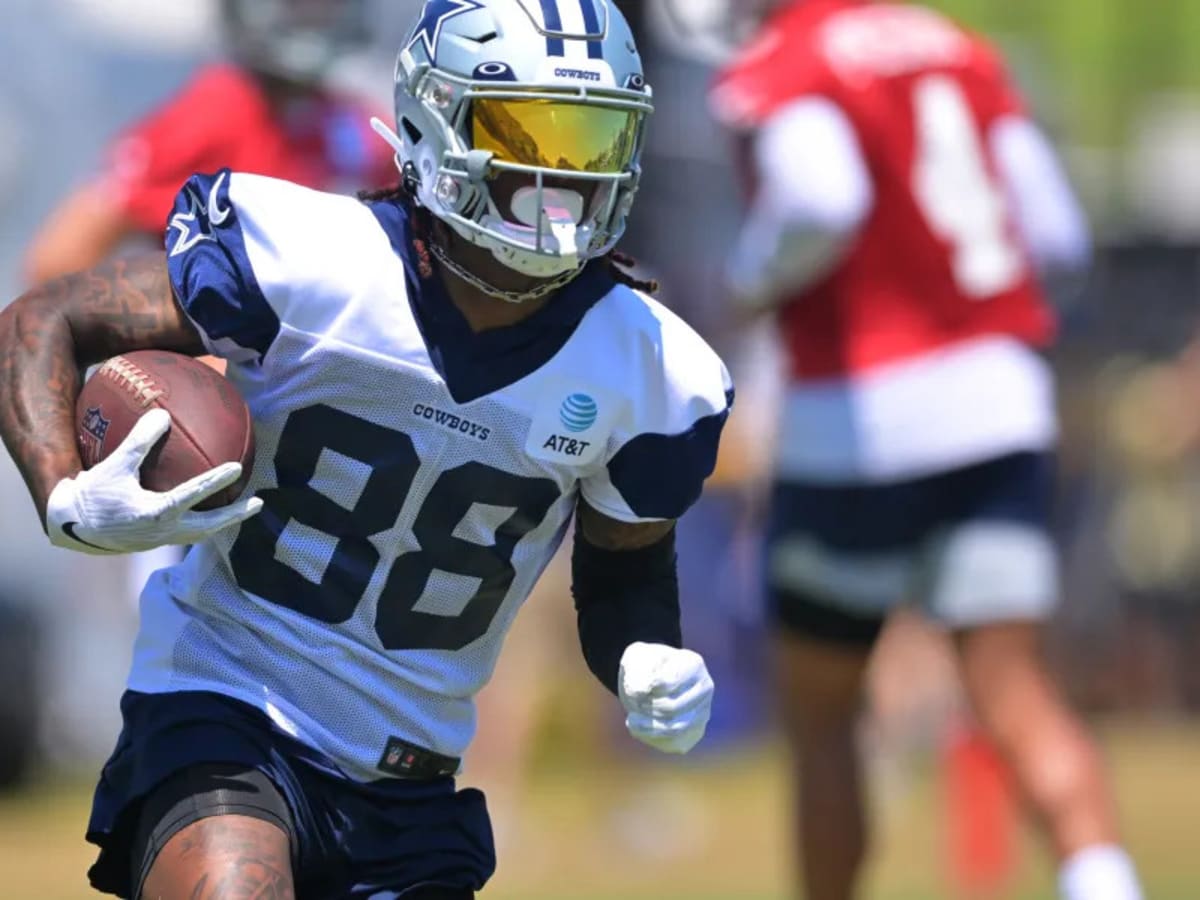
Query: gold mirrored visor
(556, 134)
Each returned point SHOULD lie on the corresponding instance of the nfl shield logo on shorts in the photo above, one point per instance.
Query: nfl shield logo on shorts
(91, 438)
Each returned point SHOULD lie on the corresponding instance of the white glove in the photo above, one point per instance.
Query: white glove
(105, 510)
(667, 694)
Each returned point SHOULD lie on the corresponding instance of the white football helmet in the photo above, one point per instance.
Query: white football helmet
(520, 124)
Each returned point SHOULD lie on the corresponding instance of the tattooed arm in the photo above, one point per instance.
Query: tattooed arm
(51, 334)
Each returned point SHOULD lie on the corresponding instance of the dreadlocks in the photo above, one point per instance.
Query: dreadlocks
(420, 218)
(619, 264)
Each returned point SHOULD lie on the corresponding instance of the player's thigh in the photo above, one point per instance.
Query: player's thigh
(222, 856)
(818, 683)
(1004, 673)
(214, 831)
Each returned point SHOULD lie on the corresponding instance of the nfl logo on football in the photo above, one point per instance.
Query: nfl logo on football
(91, 439)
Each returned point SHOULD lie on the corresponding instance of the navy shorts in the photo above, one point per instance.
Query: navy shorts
(971, 546)
(349, 839)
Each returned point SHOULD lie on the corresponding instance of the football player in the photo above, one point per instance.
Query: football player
(904, 214)
(441, 376)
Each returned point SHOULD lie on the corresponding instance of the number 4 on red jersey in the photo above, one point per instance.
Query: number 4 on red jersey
(939, 259)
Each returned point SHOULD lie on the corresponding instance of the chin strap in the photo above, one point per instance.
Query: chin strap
(548, 286)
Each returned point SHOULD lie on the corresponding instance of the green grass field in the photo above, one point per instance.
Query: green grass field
(708, 831)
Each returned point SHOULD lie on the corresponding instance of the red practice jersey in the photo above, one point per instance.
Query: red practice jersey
(222, 118)
(938, 260)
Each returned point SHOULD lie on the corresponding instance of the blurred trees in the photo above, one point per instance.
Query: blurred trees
(1104, 56)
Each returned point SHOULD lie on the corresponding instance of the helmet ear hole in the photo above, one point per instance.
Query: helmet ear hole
(411, 131)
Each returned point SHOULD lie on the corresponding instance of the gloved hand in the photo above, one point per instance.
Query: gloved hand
(667, 694)
(105, 510)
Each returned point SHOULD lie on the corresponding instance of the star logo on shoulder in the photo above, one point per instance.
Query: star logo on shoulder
(435, 15)
(197, 223)
(191, 226)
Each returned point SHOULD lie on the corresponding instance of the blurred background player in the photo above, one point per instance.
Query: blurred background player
(270, 109)
(904, 214)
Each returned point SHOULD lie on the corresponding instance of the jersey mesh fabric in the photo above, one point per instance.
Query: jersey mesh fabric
(333, 684)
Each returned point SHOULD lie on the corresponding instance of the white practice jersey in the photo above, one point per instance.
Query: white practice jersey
(416, 477)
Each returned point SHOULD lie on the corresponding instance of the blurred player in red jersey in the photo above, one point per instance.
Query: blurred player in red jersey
(904, 215)
(266, 111)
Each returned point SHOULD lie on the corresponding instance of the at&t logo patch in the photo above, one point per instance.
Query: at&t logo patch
(578, 413)
(572, 422)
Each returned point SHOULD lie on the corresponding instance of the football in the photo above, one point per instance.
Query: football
(210, 422)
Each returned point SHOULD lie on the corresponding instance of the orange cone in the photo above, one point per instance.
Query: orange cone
(980, 815)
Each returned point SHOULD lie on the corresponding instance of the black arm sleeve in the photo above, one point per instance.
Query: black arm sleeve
(623, 596)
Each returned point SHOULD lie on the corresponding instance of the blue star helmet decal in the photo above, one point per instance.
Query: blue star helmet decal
(433, 17)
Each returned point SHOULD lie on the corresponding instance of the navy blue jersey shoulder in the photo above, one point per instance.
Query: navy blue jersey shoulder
(476, 364)
(210, 270)
(661, 475)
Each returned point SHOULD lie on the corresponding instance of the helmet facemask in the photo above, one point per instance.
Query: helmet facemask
(542, 175)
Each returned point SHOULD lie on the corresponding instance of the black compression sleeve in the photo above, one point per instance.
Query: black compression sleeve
(623, 596)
